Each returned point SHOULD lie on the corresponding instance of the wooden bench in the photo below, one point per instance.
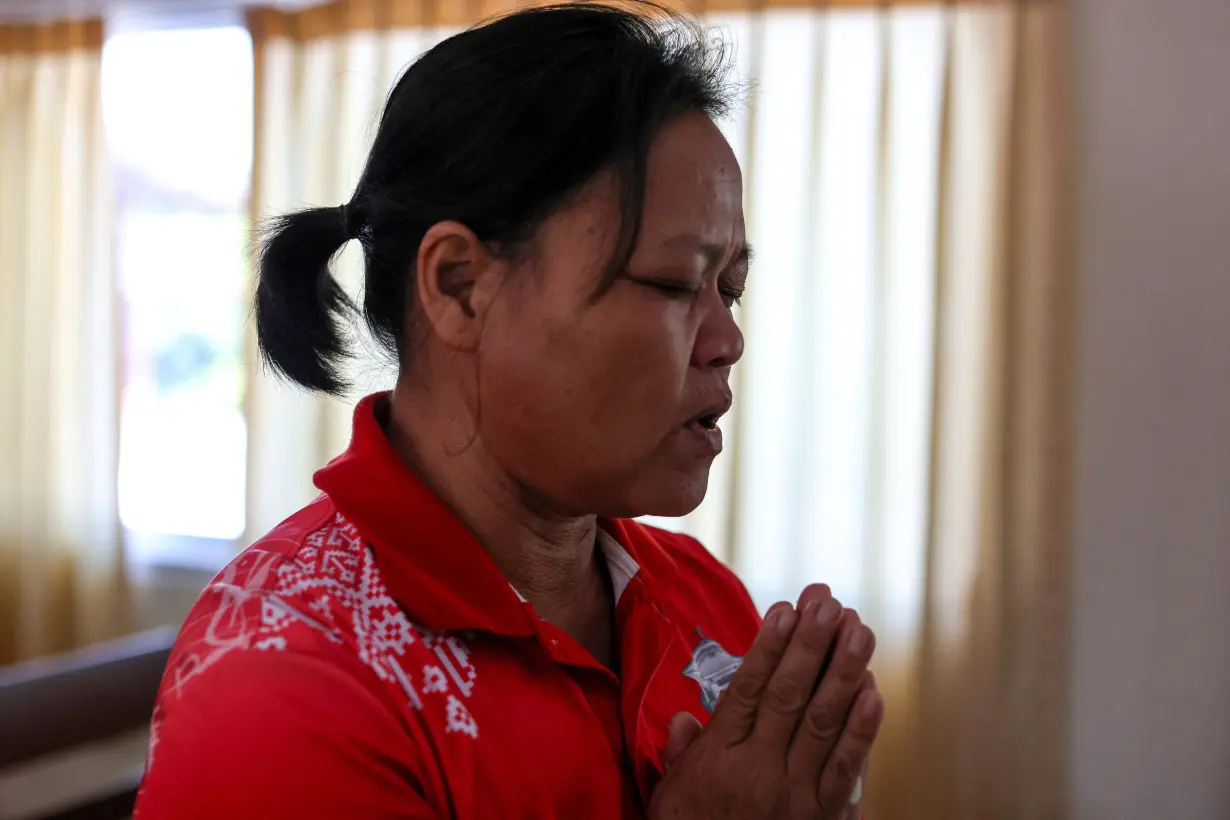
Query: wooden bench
(55, 705)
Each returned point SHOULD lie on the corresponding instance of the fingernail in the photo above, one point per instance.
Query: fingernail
(858, 641)
(828, 614)
(871, 706)
(770, 617)
(785, 620)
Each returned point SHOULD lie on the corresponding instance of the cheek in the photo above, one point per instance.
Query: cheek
(566, 400)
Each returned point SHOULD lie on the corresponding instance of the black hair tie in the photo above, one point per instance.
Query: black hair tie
(352, 219)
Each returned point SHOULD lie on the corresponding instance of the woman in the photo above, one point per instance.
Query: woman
(467, 622)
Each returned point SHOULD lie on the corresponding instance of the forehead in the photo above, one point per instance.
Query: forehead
(693, 183)
(693, 198)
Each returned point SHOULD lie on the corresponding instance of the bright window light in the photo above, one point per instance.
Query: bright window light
(178, 111)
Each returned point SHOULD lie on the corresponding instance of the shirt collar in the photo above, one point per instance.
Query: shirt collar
(431, 564)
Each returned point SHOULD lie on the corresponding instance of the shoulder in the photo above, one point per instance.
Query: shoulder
(310, 588)
(290, 734)
(307, 586)
(292, 653)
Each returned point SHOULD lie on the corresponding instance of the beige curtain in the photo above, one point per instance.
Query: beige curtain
(977, 690)
(61, 568)
(901, 421)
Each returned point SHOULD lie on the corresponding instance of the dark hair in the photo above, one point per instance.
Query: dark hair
(494, 127)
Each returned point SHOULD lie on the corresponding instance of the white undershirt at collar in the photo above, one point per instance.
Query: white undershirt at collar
(619, 563)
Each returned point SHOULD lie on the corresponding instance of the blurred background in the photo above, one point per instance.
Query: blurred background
(986, 395)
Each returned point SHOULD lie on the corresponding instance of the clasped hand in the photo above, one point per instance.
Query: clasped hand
(791, 736)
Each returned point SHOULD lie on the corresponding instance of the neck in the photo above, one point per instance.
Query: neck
(550, 558)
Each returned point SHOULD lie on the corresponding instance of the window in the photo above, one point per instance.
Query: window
(177, 106)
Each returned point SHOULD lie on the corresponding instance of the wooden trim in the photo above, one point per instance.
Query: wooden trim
(57, 703)
(115, 803)
(44, 38)
(343, 16)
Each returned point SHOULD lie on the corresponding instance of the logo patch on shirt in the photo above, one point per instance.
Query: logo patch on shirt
(712, 667)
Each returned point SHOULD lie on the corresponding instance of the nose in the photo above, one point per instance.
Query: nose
(719, 342)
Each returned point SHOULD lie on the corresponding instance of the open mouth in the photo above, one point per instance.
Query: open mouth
(707, 420)
(704, 428)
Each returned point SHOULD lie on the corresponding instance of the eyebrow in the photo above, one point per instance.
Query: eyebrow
(710, 250)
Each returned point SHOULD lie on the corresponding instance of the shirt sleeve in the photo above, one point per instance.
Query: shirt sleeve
(278, 734)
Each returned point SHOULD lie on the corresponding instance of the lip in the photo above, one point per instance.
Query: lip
(708, 439)
(717, 408)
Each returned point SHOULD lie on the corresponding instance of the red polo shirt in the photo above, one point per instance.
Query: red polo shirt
(367, 659)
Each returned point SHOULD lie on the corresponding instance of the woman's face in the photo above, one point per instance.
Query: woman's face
(608, 406)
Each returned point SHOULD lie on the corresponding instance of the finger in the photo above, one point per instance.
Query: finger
(684, 729)
(828, 710)
(811, 595)
(734, 720)
(855, 810)
(840, 776)
(790, 688)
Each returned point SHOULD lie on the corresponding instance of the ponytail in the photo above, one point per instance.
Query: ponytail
(299, 306)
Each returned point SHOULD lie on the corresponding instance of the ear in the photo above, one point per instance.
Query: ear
(457, 281)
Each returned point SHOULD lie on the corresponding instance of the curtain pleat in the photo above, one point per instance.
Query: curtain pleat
(981, 730)
(62, 580)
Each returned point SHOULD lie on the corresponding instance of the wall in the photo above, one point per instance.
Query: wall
(1151, 650)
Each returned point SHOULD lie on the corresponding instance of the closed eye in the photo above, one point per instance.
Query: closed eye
(731, 294)
(671, 288)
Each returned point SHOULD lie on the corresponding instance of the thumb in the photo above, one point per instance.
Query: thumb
(684, 729)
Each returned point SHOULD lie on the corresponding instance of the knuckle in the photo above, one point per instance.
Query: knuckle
(864, 728)
(846, 768)
(848, 673)
(852, 674)
(823, 723)
(869, 640)
(864, 732)
(814, 639)
(745, 689)
(785, 697)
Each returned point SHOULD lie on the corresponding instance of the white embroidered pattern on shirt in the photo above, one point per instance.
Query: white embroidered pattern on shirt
(332, 585)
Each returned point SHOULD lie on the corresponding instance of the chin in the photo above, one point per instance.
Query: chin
(671, 499)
